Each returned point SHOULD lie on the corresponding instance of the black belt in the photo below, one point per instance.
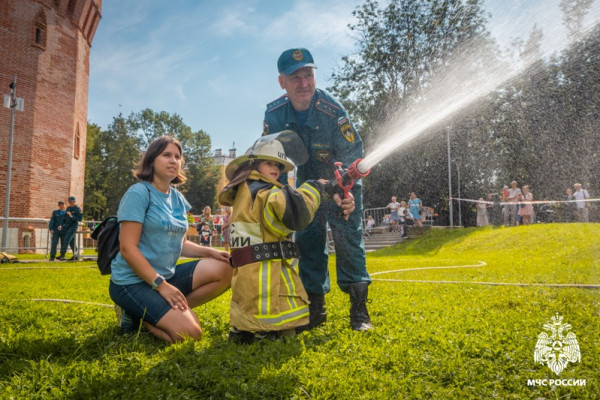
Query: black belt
(263, 251)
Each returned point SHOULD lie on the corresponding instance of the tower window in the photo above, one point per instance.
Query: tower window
(39, 30)
(77, 144)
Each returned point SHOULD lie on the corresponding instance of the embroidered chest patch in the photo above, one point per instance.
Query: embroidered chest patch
(323, 156)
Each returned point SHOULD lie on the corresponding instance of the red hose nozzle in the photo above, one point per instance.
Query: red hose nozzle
(354, 170)
(345, 178)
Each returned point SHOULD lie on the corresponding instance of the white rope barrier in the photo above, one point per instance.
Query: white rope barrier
(502, 203)
(67, 301)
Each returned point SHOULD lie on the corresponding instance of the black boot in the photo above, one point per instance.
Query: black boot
(359, 316)
(317, 315)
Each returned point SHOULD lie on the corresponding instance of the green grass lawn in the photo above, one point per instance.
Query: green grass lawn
(432, 340)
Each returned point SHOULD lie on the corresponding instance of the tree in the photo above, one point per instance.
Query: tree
(95, 199)
(112, 155)
(402, 49)
(538, 127)
(574, 12)
(202, 174)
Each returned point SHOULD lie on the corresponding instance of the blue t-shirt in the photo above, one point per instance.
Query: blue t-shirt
(415, 207)
(163, 230)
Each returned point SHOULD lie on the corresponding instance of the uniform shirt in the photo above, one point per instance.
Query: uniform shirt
(74, 219)
(56, 220)
(327, 133)
(163, 230)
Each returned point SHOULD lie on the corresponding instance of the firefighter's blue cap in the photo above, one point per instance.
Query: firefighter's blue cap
(293, 59)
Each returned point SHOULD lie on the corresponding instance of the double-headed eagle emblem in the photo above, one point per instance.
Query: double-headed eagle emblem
(557, 349)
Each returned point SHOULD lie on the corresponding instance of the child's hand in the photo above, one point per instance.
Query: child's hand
(323, 181)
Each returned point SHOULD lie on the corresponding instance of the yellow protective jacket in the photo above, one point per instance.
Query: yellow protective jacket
(268, 295)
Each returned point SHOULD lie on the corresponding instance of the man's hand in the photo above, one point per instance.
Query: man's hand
(347, 205)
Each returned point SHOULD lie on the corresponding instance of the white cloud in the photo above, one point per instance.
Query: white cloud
(514, 19)
(235, 21)
(320, 23)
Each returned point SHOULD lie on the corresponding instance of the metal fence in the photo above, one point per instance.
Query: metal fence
(31, 236)
(382, 216)
(26, 235)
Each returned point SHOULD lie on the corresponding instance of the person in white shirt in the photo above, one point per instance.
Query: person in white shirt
(582, 207)
(514, 194)
(394, 206)
(404, 216)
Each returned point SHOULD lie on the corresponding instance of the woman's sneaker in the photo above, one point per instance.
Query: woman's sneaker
(125, 321)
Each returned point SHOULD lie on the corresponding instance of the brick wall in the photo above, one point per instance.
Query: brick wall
(46, 43)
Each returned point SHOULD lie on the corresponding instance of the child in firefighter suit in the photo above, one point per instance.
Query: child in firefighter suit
(268, 299)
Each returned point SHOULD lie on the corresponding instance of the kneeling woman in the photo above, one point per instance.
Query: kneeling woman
(145, 282)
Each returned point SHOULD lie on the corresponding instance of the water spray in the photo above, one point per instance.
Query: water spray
(450, 93)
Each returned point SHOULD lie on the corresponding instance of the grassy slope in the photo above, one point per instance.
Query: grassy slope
(431, 340)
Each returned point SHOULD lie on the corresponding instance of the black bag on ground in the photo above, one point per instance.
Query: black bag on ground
(107, 239)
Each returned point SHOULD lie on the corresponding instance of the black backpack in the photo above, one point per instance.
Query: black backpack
(107, 240)
(107, 236)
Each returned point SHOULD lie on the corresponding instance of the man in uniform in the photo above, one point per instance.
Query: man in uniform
(71, 222)
(329, 136)
(55, 228)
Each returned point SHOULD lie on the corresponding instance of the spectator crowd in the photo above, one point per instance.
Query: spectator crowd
(515, 206)
(399, 215)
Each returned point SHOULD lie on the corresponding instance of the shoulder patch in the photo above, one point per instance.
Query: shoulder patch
(328, 108)
(347, 132)
(283, 100)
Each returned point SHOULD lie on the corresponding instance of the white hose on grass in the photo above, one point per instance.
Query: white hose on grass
(480, 264)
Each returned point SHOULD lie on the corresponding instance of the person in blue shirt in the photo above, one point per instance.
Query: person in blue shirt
(415, 206)
(329, 136)
(71, 220)
(145, 283)
(55, 228)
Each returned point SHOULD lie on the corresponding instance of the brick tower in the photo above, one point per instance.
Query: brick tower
(46, 43)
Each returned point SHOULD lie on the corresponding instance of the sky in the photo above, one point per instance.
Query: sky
(214, 63)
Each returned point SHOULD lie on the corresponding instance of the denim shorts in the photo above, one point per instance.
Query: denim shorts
(140, 301)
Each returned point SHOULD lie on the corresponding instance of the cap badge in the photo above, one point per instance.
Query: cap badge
(297, 55)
